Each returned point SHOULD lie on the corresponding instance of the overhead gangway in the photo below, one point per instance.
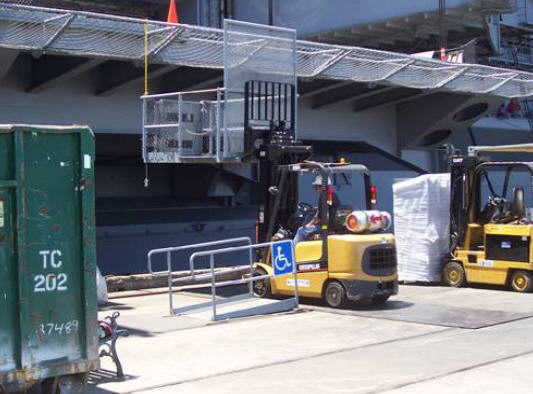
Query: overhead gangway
(75, 33)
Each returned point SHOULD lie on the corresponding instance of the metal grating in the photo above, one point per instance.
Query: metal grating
(87, 34)
(380, 260)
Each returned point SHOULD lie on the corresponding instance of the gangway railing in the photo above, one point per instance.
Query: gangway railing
(78, 33)
(270, 307)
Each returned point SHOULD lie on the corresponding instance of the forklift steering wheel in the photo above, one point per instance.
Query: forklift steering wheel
(305, 207)
(493, 210)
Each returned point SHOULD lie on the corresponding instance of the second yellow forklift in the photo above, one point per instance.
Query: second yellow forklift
(490, 242)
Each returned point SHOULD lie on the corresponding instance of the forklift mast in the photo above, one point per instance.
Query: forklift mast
(270, 140)
(462, 170)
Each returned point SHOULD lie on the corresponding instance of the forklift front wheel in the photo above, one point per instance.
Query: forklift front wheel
(454, 274)
(335, 294)
(261, 287)
(522, 281)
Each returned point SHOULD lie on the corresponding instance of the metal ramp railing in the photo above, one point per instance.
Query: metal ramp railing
(265, 308)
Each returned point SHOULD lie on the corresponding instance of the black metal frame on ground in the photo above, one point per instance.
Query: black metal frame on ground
(108, 344)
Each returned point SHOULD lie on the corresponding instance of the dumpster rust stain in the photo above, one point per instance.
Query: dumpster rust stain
(56, 227)
(44, 210)
(36, 315)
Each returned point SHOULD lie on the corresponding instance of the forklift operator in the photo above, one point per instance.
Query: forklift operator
(311, 228)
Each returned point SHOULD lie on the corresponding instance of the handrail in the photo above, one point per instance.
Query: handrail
(273, 307)
(184, 247)
(174, 94)
(249, 280)
(168, 251)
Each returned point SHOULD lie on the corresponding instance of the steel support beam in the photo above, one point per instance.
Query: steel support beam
(312, 88)
(209, 83)
(344, 94)
(399, 24)
(362, 36)
(387, 37)
(390, 97)
(51, 70)
(116, 75)
(188, 78)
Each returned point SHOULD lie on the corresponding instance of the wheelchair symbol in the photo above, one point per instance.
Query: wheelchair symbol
(281, 261)
(282, 258)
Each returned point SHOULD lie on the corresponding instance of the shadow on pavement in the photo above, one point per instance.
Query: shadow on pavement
(103, 376)
(137, 332)
(359, 306)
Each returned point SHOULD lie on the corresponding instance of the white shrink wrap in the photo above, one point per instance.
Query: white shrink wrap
(101, 288)
(421, 226)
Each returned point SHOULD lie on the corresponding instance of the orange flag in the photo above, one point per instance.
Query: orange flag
(172, 13)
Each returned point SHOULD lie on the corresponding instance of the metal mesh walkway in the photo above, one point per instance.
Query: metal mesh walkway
(95, 35)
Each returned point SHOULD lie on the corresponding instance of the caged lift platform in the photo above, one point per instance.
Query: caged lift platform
(208, 126)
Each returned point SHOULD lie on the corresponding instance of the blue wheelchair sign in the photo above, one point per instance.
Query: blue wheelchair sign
(282, 257)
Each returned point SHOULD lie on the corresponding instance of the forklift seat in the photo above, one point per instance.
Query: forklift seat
(518, 206)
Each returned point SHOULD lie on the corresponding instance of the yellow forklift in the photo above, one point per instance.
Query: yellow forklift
(351, 258)
(490, 243)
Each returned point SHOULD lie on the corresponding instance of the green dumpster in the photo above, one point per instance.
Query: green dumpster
(48, 312)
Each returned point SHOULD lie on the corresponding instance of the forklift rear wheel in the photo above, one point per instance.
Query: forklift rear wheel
(454, 274)
(261, 287)
(522, 281)
(335, 294)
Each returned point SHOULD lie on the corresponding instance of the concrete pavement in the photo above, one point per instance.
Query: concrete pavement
(316, 351)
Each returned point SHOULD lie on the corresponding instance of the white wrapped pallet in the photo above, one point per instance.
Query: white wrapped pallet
(101, 288)
(421, 226)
